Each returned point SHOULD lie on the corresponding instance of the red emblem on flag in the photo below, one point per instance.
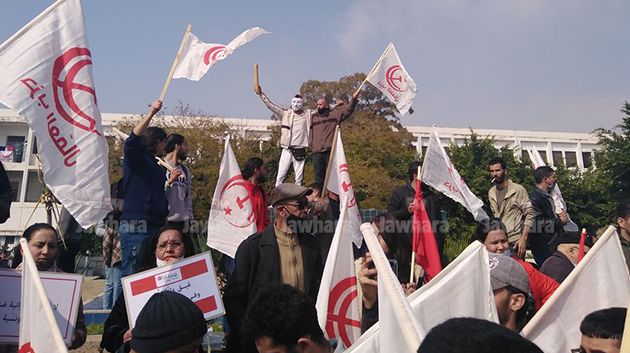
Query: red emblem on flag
(236, 203)
(395, 78)
(337, 322)
(215, 54)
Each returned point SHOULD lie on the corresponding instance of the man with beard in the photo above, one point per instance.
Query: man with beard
(510, 202)
(282, 253)
(294, 135)
(178, 187)
(549, 222)
(323, 130)
(510, 285)
(255, 174)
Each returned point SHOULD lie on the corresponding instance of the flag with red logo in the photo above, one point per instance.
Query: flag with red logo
(339, 183)
(338, 304)
(47, 78)
(231, 217)
(439, 172)
(197, 56)
(39, 332)
(424, 243)
(390, 77)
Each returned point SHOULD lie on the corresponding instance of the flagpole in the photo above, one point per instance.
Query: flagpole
(373, 68)
(414, 240)
(330, 157)
(175, 62)
(625, 338)
(256, 82)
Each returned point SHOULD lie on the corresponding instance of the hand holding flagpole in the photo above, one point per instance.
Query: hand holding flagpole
(356, 93)
(257, 88)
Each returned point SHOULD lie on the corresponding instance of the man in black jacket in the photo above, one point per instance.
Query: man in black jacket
(548, 221)
(401, 206)
(282, 253)
(6, 195)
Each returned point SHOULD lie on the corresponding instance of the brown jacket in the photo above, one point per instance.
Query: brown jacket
(323, 126)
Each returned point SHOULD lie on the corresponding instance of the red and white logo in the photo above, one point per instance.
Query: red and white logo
(72, 88)
(338, 324)
(346, 184)
(214, 54)
(236, 203)
(26, 348)
(396, 78)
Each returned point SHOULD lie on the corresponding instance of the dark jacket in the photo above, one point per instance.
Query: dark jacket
(557, 266)
(257, 263)
(323, 126)
(6, 195)
(547, 225)
(143, 182)
(116, 325)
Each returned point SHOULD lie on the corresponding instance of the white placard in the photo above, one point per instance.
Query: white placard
(64, 293)
(193, 277)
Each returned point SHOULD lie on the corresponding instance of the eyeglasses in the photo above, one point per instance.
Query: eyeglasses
(578, 350)
(173, 244)
(300, 204)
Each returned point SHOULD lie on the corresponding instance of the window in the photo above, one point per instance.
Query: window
(15, 180)
(557, 158)
(543, 154)
(571, 159)
(525, 158)
(587, 158)
(33, 188)
(17, 142)
(424, 151)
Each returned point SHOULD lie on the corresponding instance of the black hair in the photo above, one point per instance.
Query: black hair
(527, 311)
(413, 168)
(398, 241)
(172, 140)
(605, 323)
(250, 167)
(148, 257)
(486, 226)
(317, 187)
(28, 234)
(151, 137)
(623, 210)
(297, 96)
(470, 335)
(284, 314)
(541, 173)
(498, 160)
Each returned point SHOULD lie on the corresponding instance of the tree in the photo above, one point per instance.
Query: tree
(613, 157)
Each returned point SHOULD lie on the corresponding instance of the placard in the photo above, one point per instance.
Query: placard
(64, 293)
(193, 277)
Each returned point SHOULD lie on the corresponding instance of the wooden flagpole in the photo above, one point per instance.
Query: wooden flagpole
(330, 157)
(373, 68)
(175, 62)
(256, 82)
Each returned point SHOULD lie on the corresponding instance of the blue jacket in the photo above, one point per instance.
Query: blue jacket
(143, 182)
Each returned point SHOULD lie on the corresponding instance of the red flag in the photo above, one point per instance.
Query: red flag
(424, 244)
(581, 251)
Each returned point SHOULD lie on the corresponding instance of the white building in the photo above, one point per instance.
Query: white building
(16, 150)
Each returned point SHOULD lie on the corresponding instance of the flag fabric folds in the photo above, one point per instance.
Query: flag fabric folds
(339, 182)
(338, 304)
(231, 219)
(197, 56)
(391, 78)
(461, 289)
(424, 243)
(47, 78)
(38, 328)
(438, 172)
(599, 281)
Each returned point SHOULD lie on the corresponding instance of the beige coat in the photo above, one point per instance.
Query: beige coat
(286, 117)
(516, 209)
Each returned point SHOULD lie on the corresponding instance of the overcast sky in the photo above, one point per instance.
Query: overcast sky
(561, 65)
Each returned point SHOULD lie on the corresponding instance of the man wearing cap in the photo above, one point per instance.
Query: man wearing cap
(563, 261)
(510, 285)
(283, 253)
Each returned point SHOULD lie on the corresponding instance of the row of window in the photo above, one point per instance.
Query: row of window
(33, 185)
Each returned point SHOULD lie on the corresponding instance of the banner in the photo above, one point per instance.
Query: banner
(47, 78)
(193, 277)
(438, 172)
(461, 289)
(339, 183)
(599, 281)
(198, 56)
(338, 304)
(64, 294)
(38, 328)
(231, 219)
(424, 243)
(390, 77)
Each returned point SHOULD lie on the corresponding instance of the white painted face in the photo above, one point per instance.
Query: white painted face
(296, 104)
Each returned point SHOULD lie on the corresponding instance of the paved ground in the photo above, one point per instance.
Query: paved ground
(92, 288)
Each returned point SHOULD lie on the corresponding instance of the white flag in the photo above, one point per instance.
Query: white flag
(390, 77)
(197, 56)
(400, 331)
(38, 328)
(47, 78)
(556, 195)
(462, 289)
(599, 281)
(438, 172)
(231, 219)
(338, 305)
(339, 182)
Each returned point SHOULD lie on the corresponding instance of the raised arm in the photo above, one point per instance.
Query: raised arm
(139, 128)
(275, 109)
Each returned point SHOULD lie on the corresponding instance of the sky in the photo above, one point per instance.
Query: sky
(559, 65)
